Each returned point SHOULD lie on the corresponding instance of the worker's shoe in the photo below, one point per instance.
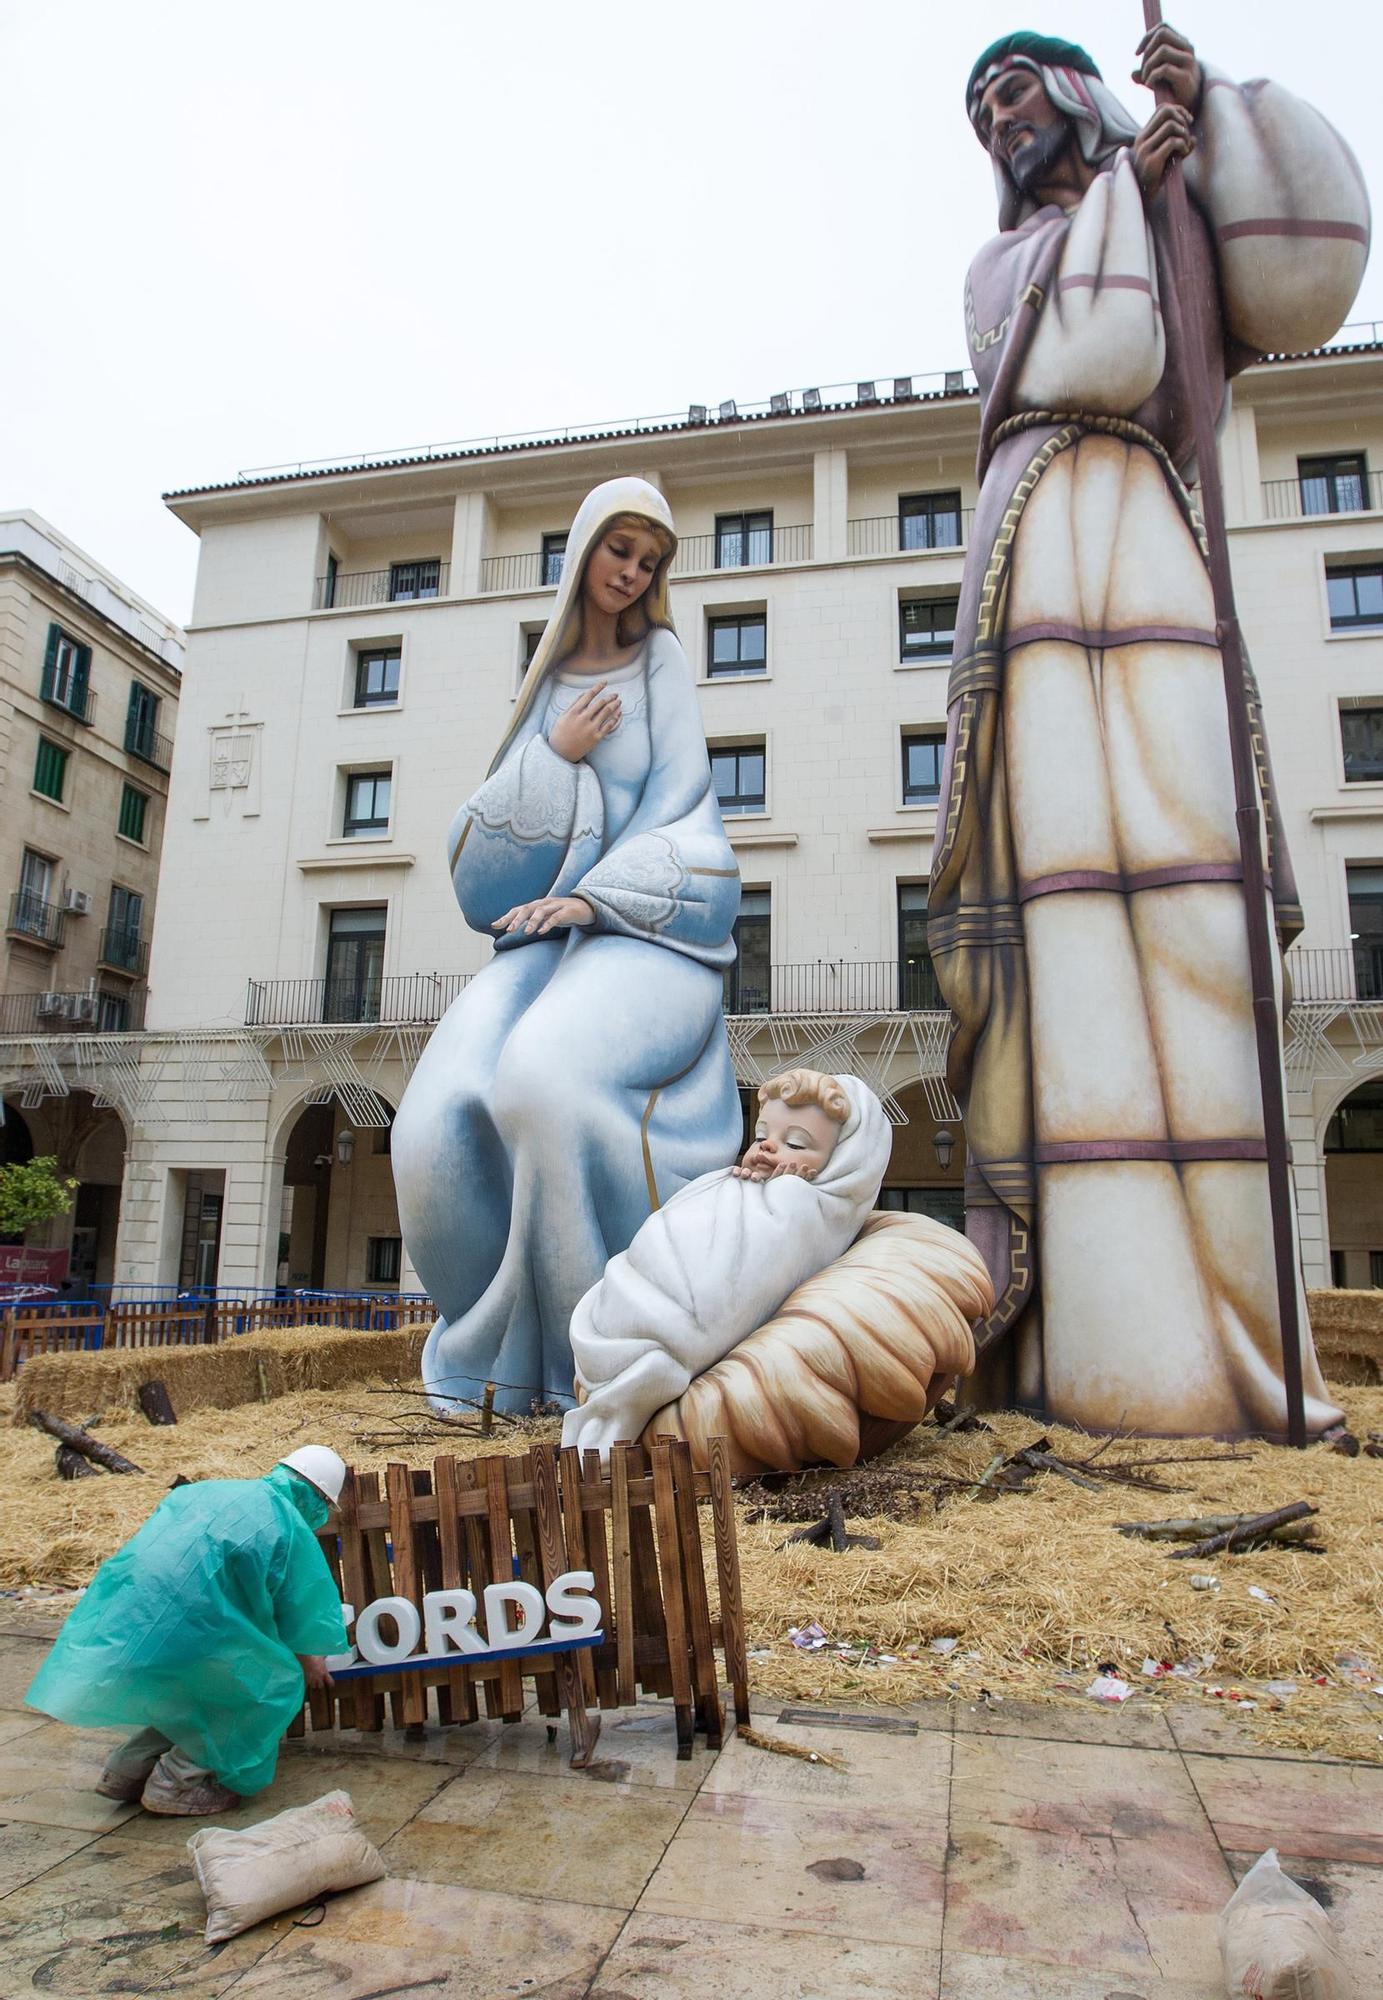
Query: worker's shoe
(127, 1790)
(197, 1800)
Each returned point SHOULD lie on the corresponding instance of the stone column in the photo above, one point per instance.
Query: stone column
(830, 505)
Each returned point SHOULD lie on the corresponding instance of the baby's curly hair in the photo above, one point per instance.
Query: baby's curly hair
(808, 1086)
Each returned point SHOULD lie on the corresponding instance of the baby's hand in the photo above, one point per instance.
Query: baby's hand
(798, 1168)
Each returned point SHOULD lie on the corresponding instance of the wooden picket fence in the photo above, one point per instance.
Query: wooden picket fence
(55, 1329)
(471, 1522)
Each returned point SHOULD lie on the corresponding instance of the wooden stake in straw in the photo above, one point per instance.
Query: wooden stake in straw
(1231, 643)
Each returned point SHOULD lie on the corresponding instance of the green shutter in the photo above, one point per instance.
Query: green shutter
(50, 660)
(80, 675)
(132, 804)
(49, 769)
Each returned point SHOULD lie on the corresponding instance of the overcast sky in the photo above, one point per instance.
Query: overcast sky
(257, 233)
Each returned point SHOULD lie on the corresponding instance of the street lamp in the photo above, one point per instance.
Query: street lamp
(944, 1144)
(345, 1145)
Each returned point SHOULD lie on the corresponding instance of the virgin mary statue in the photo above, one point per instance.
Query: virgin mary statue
(584, 1076)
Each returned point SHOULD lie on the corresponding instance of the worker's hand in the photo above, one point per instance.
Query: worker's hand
(1168, 64)
(314, 1668)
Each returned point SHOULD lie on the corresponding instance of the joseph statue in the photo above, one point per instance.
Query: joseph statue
(1087, 914)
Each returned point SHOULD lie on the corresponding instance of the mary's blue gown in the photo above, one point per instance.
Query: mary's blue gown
(580, 1079)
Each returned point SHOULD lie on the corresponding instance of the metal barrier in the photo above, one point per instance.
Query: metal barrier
(68, 1326)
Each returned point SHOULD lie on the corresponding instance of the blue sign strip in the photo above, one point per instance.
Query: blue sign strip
(450, 1661)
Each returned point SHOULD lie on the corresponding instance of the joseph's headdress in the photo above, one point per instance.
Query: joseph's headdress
(1073, 83)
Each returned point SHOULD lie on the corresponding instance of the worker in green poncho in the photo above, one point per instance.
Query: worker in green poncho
(203, 1631)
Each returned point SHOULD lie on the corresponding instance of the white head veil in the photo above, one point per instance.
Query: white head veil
(601, 505)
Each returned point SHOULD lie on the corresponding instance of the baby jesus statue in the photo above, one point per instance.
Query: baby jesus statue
(724, 1253)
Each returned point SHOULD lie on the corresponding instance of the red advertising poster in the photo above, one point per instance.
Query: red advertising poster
(22, 1266)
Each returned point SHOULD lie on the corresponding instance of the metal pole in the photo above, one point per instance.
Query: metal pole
(1262, 945)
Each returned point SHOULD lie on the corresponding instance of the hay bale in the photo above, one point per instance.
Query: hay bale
(1348, 1331)
(249, 1368)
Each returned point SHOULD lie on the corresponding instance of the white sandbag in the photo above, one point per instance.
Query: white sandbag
(1277, 1943)
(252, 1872)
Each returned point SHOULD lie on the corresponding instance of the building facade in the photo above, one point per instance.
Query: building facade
(357, 640)
(89, 682)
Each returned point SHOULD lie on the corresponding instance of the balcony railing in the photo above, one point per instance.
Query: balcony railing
(150, 746)
(356, 589)
(406, 999)
(764, 548)
(887, 535)
(123, 950)
(825, 986)
(850, 986)
(71, 697)
(536, 569)
(1339, 972)
(72, 1013)
(1318, 499)
(35, 920)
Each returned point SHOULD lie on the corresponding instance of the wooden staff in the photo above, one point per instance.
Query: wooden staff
(1262, 944)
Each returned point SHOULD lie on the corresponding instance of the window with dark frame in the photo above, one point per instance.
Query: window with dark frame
(554, 555)
(1354, 592)
(917, 985)
(409, 581)
(377, 673)
(1336, 484)
(1357, 1126)
(32, 912)
(66, 672)
(927, 627)
(50, 770)
(384, 1260)
(114, 1015)
(124, 920)
(329, 583)
(367, 802)
(354, 980)
(744, 539)
(133, 805)
(922, 754)
(749, 981)
(737, 772)
(1361, 740)
(929, 520)
(1365, 890)
(141, 721)
(737, 645)
(530, 644)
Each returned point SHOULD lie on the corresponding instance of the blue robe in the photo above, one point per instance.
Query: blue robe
(581, 1078)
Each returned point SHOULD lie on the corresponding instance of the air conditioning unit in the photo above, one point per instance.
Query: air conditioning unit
(86, 1008)
(77, 902)
(53, 1006)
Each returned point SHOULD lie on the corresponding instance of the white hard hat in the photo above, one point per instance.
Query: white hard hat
(320, 1466)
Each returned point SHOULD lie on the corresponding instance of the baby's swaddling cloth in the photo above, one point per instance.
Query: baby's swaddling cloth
(708, 1269)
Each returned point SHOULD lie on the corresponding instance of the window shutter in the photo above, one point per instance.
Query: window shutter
(80, 674)
(50, 657)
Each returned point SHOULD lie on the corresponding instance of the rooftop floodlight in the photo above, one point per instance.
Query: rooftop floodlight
(729, 409)
(697, 413)
(865, 392)
(902, 387)
(811, 399)
(780, 404)
(955, 381)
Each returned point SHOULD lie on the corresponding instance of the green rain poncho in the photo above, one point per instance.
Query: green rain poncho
(192, 1628)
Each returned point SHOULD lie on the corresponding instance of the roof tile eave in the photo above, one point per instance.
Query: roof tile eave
(500, 450)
